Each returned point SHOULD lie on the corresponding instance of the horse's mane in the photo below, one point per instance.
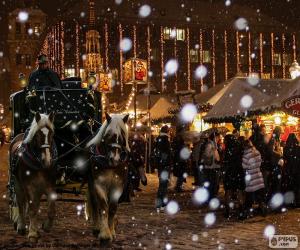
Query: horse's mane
(116, 125)
(44, 121)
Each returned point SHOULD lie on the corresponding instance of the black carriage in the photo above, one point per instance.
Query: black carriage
(77, 116)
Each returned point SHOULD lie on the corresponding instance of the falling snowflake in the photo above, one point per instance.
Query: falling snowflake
(125, 44)
(246, 101)
(276, 201)
(200, 72)
(185, 153)
(118, 1)
(168, 246)
(172, 208)
(269, 231)
(201, 195)
(214, 203)
(210, 219)
(227, 3)
(241, 23)
(188, 112)
(144, 11)
(23, 16)
(171, 66)
(253, 79)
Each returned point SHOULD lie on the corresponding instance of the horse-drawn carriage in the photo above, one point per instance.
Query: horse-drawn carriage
(58, 142)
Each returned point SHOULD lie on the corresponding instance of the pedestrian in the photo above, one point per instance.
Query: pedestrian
(234, 176)
(162, 152)
(181, 156)
(255, 187)
(210, 164)
(291, 155)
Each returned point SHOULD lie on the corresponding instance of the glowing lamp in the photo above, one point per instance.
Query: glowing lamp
(277, 120)
(294, 70)
(92, 78)
(23, 80)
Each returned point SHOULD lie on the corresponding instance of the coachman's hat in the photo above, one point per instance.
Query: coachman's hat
(42, 59)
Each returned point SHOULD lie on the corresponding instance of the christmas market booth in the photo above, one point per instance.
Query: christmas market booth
(249, 100)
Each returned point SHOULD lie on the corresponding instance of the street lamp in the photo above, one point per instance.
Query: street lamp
(23, 80)
(294, 70)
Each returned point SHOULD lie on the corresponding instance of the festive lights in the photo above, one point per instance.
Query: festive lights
(294, 48)
(121, 57)
(106, 46)
(134, 41)
(249, 53)
(201, 57)
(175, 56)
(237, 52)
(272, 54)
(148, 48)
(226, 54)
(77, 69)
(261, 54)
(188, 59)
(283, 56)
(62, 56)
(162, 58)
(213, 58)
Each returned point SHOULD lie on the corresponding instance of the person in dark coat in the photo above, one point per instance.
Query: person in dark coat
(291, 155)
(234, 176)
(162, 151)
(43, 77)
(181, 156)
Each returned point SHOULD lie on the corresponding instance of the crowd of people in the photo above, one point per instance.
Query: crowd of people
(259, 174)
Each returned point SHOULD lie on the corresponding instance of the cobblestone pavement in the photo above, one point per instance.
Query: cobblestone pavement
(141, 227)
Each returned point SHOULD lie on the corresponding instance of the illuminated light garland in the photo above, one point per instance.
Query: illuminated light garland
(175, 56)
(283, 56)
(188, 59)
(249, 53)
(121, 58)
(106, 46)
(237, 52)
(148, 48)
(62, 59)
(162, 58)
(294, 48)
(201, 56)
(261, 54)
(226, 54)
(77, 50)
(272, 54)
(213, 58)
(134, 41)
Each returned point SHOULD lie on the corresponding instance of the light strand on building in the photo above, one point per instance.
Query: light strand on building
(261, 54)
(58, 49)
(188, 59)
(77, 51)
(249, 53)
(283, 56)
(237, 52)
(294, 48)
(121, 57)
(201, 56)
(272, 54)
(148, 48)
(226, 55)
(106, 46)
(175, 56)
(162, 58)
(134, 41)
(213, 58)
(62, 42)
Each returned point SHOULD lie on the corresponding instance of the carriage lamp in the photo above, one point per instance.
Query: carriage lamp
(294, 70)
(23, 80)
(92, 78)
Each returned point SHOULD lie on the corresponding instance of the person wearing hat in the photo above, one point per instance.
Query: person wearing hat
(43, 77)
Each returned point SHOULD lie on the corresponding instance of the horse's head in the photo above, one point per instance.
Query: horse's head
(41, 138)
(112, 139)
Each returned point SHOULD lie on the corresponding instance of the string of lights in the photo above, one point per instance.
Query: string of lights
(121, 57)
(249, 53)
(106, 47)
(226, 54)
(134, 41)
(283, 56)
(201, 56)
(272, 54)
(294, 48)
(148, 48)
(261, 54)
(77, 50)
(237, 52)
(188, 59)
(62, 49)
(58, 49)
(213, 58)
(175, 56)
(162, 58)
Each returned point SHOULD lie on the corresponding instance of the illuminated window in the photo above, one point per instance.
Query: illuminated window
(82, 74)
(194, 56)
(37, 28)
(180, 34)
(70, 72)
(288, 58)
(167, 33)
(206, 56)
(277, 59)
(170, 33)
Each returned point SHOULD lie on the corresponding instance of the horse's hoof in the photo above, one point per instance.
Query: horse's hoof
(96, 232)
(21, 231)
(105, 242)
(33, 240)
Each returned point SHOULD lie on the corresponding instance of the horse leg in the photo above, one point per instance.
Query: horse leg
(34, 205)
(112, 220)
(21, 203)
(48, 224)
(92, 210)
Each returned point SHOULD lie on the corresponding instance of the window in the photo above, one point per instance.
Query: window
(277, 59)
(194, 56)
(28, 60)
(169, 33)
(18, 59)
(206, 56)
(70, 72)
(18, 28)
(180, 34)
(37, 28)
(288, 58)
